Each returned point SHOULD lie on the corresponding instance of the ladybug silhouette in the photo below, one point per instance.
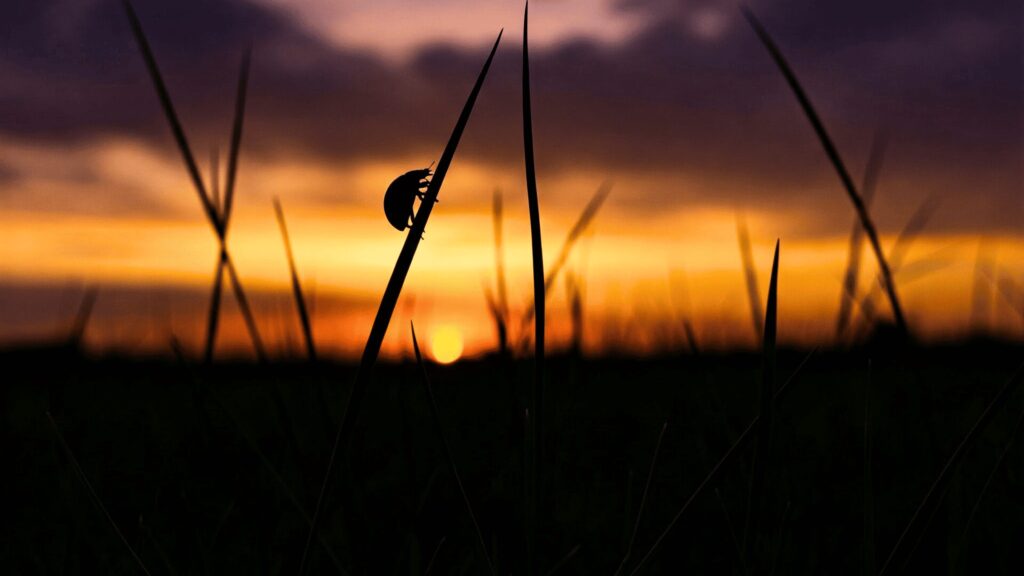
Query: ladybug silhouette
(401, 194)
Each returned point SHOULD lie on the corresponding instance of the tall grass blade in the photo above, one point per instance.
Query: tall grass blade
(213, 318)
(499, 265)
(914, 530)
(225, 263)
(95, 497)
(837, 163)
(436, 414)
(217, 221)
(279, 481)
(750, 273)
(981, 293)
(236, 139)
(215, 180)
(762, 452)
(988, 482)
(579, 227)
(582, 223)
(243, 305)
(536, 442)
(172, 116)
(82, 316)
(691, 337)
(229, 194)
(501, 328)
(565, 560)
(867, 187)
(300, 300)
(254, 446)
(687, 314)
(643, 501)
(910, 231)
(1008, 290)
(392, 292)
(716, 470)
(433, 557)
(574, 292)
(157, 547)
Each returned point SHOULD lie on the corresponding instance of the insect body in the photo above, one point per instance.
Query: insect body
(401, 194)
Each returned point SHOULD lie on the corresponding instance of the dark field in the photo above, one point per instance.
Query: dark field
(211, 471)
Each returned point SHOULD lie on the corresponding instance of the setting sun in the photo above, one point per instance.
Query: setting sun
(446, 344)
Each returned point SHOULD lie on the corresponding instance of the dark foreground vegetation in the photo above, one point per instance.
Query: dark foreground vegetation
(217, 470)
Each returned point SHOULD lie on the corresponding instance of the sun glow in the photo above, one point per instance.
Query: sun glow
(446, 344)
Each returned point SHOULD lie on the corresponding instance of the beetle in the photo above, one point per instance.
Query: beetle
(401, 194)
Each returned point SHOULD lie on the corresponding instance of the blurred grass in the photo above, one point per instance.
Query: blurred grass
(211, 505)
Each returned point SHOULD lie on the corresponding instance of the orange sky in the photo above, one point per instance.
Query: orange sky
(647, 270)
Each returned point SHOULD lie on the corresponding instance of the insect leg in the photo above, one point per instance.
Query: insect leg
(423, 196)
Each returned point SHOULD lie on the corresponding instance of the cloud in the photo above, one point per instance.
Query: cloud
(690, 104)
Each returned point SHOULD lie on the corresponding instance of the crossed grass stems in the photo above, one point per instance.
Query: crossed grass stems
(218, 213)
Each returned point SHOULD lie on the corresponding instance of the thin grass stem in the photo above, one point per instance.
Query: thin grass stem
(300, 300)
(92, 492)
(837, 163)
(391, 294)
(643, 501)
(716, 470)
(452, 467)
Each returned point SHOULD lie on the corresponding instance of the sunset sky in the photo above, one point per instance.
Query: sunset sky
(675, 102)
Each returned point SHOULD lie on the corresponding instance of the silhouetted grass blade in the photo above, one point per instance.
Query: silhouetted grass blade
(565, 560)
(300, 300)
(981, 293)
(433, 557)
(691, 337)
(217, 221)
(762, 452)
(215, 180)
(236, 137)
(213, 319)
(499, 319)
(249, 438)
(911, 533)
(92, 492)
(501, 302)
(1014, 433)
(172, 116)
(837, 163)
(574, 293)
(539, 296)
(713, 474)
(82, 316)
(579, 227)
(643, 501)
(1008, 290)
(910, 231)
(750, 273)
(436, 414)
(771, 316)
(897, 254)
(868, 187)
(392, 292)
(243, 305)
